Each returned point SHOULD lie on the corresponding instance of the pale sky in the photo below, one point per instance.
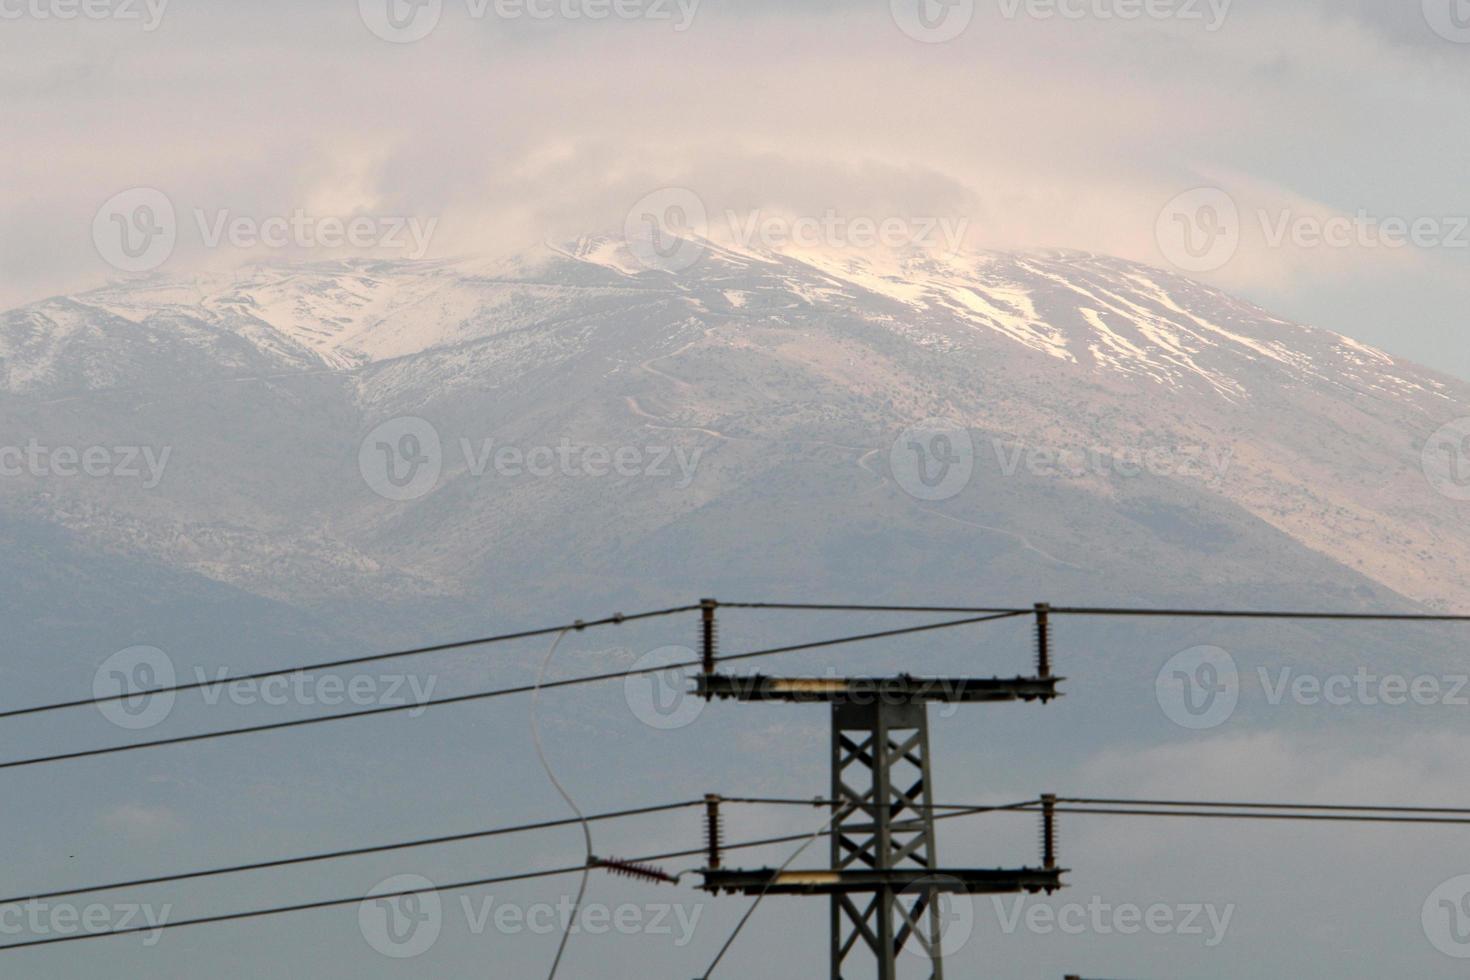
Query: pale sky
(1070, 131)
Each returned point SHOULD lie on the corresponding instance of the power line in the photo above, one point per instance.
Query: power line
(619, 618)
(848, 607)
(456, 886)
(1201, 804)
(613, 620)
(1191, 804)
(1177, 808)
(352, 852)
(484, 695)
(1263, 614)
(968, 810)
(1257, 815)
(1113, 611)
(820, 802)
(957, 810)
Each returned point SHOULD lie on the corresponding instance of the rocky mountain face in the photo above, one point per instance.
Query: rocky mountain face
(385, 446)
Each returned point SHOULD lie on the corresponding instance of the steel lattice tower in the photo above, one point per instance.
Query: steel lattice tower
(885, 885)
(881, 792)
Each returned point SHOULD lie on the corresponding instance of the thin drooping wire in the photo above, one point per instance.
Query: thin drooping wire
(354, 852)
(613, 620)
(457, 886)
(837, 814)
(484, 695)
(561, 947)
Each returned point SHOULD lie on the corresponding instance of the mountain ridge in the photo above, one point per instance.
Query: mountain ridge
(773, 365)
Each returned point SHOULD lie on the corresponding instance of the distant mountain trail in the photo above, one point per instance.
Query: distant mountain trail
(663, 423)
(1024, 541)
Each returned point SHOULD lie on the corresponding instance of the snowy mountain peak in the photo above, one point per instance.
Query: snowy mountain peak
(1104, 316)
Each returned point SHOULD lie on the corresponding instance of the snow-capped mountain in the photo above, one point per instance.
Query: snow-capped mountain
(1131, 431)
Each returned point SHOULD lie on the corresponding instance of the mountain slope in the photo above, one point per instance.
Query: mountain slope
(1133, 433)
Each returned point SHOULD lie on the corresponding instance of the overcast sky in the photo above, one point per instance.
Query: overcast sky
(1072, 130)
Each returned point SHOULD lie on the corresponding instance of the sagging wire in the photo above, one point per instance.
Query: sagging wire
(586, 827)
(836, 816)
